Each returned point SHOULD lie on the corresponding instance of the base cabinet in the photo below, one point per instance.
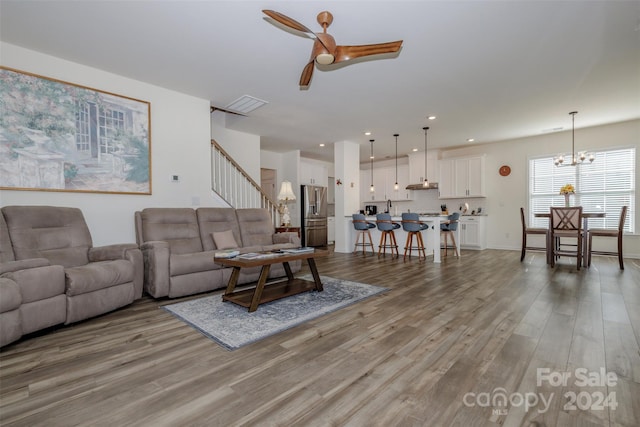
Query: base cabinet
(473, 232)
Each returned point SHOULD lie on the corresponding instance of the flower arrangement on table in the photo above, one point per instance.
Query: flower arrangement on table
(567, 190)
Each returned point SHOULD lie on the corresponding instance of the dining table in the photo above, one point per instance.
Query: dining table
(585, 233)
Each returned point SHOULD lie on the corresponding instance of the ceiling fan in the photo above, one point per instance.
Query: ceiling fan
(325, 51)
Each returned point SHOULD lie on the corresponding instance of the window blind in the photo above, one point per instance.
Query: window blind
(605, 185)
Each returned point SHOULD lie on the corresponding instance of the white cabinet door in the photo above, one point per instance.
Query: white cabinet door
(462, 178)
(475, 177)
(472, 232)
(416, 167)
(403, 181)
(384, 179)
(446, 178)
(366, 195)
(380, 183)
(313, 173)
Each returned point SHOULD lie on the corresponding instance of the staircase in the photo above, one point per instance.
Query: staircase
(235, 186)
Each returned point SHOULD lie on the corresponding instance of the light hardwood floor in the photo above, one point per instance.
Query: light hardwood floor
(484, 324)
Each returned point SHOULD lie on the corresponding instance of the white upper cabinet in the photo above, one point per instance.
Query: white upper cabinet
(461, 177)
(384, 179)
(446, 178)
(416, 167)
(313, 173)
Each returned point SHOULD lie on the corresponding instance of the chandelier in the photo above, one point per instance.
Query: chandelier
(561, 160)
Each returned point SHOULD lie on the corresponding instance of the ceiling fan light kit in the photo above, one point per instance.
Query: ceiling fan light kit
(325, 51)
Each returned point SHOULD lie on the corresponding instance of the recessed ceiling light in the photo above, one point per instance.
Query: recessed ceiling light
(367, 133)
(415, 149)
(431, 117)
(321, 145)
(470, 140)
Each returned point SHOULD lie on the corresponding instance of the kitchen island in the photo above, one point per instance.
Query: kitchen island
(431, 236)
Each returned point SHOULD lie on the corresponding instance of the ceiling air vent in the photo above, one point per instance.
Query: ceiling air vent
(245, 104)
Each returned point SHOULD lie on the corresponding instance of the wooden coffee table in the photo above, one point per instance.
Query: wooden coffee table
(264, 292)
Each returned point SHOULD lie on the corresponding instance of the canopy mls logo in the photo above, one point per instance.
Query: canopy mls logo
(500, 400)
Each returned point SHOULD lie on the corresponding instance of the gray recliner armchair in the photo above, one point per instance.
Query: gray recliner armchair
(31, 292)
(96, 280)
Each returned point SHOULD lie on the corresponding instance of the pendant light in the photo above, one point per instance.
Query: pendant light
(559, 160)
(372, 189)
(396, 186)
(425, 184)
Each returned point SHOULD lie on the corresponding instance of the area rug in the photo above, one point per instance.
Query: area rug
(232, 326)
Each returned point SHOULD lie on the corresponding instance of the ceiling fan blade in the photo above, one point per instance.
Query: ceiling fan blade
(307, 73)
(286, 21)
(345, 53)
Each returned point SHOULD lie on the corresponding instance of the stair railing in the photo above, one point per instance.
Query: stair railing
(235, 186)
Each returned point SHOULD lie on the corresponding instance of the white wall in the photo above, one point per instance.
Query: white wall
(244, 148)
(180, 144)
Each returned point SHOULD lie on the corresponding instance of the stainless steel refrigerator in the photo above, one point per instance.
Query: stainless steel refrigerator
(314, 215)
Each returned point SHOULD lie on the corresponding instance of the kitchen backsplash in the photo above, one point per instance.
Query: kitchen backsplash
(428, 201)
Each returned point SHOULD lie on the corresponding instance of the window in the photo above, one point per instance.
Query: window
(111, 123)
(83, 125)
(606, 185)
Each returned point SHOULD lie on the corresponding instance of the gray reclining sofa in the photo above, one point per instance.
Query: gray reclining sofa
(178, 246)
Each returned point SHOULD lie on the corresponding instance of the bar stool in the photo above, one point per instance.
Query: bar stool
(362, 226)
(386, 227)
(412, 225)
(447, 228)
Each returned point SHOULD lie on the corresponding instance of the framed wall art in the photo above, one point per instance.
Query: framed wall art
(59, 136)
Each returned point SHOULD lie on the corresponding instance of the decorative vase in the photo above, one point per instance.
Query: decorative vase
(566, 200)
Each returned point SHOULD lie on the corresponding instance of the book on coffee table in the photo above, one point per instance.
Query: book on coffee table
(227, 253)
(258, 255)
(299, 250)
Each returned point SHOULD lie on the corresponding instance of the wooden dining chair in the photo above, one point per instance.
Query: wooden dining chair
(534, 231)
(604, 232)
(566, 223)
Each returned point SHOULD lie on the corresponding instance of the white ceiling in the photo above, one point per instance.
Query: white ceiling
(489, 70)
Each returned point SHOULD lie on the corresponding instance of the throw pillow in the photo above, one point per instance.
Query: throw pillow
(224, 239)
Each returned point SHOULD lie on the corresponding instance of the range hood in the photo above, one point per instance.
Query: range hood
(432, 186)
